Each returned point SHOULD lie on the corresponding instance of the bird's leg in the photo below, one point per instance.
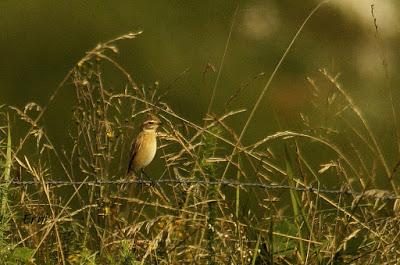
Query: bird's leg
(139, 177)
(149, 178)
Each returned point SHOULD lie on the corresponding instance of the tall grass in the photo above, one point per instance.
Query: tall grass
(193, 222)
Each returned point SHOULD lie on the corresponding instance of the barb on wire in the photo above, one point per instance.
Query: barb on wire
(377, 194)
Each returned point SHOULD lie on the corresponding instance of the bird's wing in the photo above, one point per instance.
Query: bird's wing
(135, 147)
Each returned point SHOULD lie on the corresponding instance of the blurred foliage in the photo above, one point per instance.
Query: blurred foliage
(42, 39)
(179, 56)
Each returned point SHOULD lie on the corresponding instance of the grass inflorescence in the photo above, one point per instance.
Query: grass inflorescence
(196, 221)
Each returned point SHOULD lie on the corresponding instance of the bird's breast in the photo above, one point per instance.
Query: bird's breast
(146, 152)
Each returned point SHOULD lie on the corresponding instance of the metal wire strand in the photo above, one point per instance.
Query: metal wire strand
(225, 182)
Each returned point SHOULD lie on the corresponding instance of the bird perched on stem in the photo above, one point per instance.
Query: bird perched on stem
(143, 150)
(145, 145)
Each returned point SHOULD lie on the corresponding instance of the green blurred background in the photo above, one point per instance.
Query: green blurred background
(41, 40)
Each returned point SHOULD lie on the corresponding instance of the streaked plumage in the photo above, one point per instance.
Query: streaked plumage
(145, 145)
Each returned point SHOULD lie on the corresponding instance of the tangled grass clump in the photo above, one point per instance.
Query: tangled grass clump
(196, 221)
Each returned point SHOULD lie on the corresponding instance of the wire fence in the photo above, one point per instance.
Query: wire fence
(372, 193)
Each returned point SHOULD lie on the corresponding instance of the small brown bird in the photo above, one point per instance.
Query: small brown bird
(143, 150)
(145, 145)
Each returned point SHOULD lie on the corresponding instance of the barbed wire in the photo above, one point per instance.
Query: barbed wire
(372, 193)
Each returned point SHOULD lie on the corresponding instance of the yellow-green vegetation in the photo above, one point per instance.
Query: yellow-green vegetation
(218, 198)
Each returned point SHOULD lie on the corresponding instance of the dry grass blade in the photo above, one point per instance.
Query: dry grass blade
(206, 198)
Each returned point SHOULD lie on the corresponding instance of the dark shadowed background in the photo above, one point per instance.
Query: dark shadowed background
(41, 40)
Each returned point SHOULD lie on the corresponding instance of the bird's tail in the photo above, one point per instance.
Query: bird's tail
(132, 191)
(130, 175)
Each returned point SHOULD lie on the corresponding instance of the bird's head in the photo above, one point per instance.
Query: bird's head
(151, 124)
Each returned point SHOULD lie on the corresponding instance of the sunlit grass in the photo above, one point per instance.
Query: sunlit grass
(194, 223)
